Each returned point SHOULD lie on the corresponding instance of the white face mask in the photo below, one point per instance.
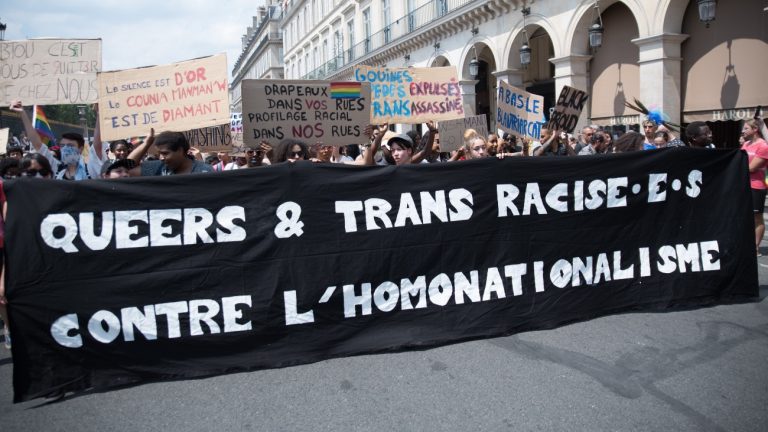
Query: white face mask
(70, 155)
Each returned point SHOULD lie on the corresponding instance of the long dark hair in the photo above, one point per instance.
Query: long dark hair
(630, 141)
(285, 149)
(26, 163)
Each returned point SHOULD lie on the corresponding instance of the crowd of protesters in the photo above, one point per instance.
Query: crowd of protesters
(169, 153)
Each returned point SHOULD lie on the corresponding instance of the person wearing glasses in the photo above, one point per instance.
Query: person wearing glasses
(292, 150)
(71, 166)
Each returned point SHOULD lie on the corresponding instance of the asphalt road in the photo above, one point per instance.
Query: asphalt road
(696, 370)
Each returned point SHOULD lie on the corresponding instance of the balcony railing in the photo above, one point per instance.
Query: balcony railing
(274, 13)
(401, 27)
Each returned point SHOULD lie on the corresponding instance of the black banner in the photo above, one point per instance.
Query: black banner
(119, 282)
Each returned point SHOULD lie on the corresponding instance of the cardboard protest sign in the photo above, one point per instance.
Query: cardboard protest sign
(452, 131)
(570, 103)
(182, 96)
(4, 140)
(49, 71)
(236, 131)
(333, 113)
(412, 95)
(519, 112)
(211, 139)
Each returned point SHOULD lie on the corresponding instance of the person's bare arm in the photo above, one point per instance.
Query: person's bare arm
(98, 146)
(376, 143)
(550, 142)
(756, 164)
(457, 155)
(137, 154)
(426, 152)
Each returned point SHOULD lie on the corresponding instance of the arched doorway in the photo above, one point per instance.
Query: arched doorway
(440, 61)
(614, 72)
(485, 87)
(538, 77)
(723, 68)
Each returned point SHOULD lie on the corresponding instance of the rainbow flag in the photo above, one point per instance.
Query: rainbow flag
(345, 90)
(40, 123)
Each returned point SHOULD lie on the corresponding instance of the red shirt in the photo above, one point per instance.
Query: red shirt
(757, 148)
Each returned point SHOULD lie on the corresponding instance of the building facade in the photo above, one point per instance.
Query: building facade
(262, 55)
(656, 51)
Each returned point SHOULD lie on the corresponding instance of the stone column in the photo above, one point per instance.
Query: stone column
(660, 73)
(573, 71)
(469, 95)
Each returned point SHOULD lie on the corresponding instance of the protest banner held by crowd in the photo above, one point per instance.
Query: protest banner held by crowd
(425, 227)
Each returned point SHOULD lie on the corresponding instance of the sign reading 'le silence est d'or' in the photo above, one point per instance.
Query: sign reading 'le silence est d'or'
(182, 96)
(412, 95)
(333, 113)
(49, 71)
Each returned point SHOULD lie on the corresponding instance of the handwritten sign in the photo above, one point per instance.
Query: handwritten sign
(180, 97)
(452, 131)
(412, 95)
(519, 112)
(211, 139)
(570, 103)
(236, 130)
(49, 71)
(334, 113)
(4, 140)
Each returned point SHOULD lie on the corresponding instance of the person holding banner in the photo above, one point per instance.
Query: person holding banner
(71, 166)
(552, 144)
(757, 150)
(292, 150)
(401, 146)
(699, 135)
(596, 146)
(172, 148)
(224, 161)
(476, 148)
(120, 148)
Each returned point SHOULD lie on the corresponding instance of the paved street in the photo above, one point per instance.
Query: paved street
(697, 370)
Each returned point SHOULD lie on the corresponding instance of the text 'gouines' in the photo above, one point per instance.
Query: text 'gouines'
(142, 228)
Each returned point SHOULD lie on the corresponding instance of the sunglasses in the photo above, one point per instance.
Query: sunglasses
(297, 154)
(34, 173)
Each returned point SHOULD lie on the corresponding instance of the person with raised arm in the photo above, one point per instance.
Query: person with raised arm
(172, 148)
(71, 166)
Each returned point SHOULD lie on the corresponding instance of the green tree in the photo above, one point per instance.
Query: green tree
(70, 114)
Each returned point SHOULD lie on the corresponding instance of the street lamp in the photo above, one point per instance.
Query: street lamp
(474, 65)
(707, 11)
(525, 50)
(596, 31)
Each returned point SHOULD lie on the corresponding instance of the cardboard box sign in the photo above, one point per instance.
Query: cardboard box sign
(412, 95)
(181, 96)
(570, 104)
(49, 71)
(452, 131)
(211, 139)
(519, 112)
(332, 113)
